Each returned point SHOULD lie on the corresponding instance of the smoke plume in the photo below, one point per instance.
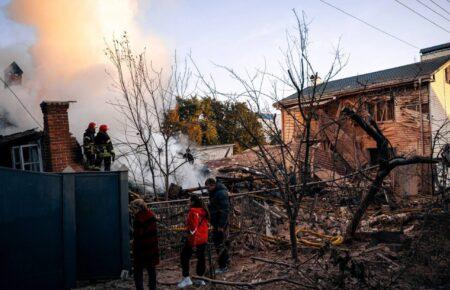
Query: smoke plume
(66, 61)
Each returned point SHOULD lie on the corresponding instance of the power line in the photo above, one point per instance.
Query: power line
(21, 103)
(370, 25)
(440, 6)
(417, 13)
(429, 8)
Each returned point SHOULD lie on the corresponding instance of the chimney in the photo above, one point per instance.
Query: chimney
(58, 143)
(435, 51)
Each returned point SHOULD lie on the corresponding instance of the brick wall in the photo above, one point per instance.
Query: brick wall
(60, 149)
(404, 132)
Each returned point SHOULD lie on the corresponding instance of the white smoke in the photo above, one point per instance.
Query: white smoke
(66, 61)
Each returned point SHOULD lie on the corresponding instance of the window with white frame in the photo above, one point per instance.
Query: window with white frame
(27, 157)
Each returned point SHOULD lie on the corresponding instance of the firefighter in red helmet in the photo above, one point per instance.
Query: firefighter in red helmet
(104, 148)
(89, 146)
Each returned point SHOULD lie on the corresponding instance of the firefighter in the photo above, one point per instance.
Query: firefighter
(104, 148)
(89, 146)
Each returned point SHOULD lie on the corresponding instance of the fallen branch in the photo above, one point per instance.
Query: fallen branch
(272, 262)
(251, 284)
(388, 260)
(302, 273)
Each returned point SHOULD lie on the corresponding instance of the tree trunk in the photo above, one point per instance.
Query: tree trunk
(293, 237)
(364, 204)
(166, 175)
(152, 171)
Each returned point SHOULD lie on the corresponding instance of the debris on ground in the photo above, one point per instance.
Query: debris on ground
(393, 248)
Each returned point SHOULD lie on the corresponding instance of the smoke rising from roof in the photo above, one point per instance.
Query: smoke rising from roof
(66, 61)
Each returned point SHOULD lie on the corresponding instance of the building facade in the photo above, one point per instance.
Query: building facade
(410, 104)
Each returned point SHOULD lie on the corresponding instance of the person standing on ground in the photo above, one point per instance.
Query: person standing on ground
(219, 208)
(89, 146)
(145, 245)
(197, 240)
(104, 149)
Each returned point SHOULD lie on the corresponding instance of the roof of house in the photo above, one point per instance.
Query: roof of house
(439, 47)
(27, 135)
(399, 74)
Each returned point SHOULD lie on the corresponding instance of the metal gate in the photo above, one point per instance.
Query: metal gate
(59, 228)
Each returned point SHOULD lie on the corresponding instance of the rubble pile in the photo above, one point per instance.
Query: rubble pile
(402, 245)
(393, 249)
(404, 248)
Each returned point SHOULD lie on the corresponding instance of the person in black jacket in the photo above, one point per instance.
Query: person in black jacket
(89, 146)
(104, 148)
(219, 208)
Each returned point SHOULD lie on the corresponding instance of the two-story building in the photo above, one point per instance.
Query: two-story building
(410, 103)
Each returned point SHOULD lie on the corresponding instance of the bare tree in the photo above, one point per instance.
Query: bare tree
(147, 96)
(287, 165)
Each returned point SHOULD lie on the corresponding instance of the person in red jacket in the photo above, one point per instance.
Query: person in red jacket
(197, 239)
(145, 245)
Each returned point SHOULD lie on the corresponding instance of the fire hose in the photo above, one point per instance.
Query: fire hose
(334, 240)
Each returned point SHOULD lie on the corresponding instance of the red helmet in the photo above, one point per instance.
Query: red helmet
(103, 128)
(91, 125)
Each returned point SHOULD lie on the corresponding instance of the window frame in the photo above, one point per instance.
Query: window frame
(379, 110)
(447, 74)
(21, 162)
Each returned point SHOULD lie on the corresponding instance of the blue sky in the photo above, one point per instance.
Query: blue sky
(244, 33)
(241, 34)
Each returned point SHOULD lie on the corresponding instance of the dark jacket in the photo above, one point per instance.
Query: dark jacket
(145, 239)
(103, 144)
(219, 206)
(88, 140)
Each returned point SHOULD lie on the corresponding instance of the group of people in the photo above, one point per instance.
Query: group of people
(195, 239)
(98, 148)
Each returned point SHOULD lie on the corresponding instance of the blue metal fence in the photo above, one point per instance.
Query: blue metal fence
(59, 228)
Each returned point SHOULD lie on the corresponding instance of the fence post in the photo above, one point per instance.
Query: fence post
(124, 218)
(69, 230)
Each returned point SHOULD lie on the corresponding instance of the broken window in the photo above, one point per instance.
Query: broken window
(382, 110)
(415, 107)
(27, 157)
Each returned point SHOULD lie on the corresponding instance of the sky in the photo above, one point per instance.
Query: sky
(246, 34)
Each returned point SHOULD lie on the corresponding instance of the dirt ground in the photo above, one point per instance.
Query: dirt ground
(401, 249)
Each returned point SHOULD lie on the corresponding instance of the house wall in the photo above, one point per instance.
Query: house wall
(290, 123)
(409, 133)
(440, 105)
(6, 151)
(440, 112)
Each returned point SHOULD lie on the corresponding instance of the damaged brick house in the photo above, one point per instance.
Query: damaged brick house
(409, 103)
(50, 150)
